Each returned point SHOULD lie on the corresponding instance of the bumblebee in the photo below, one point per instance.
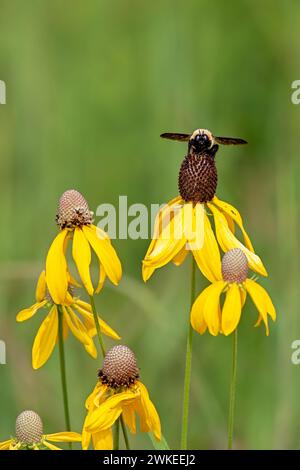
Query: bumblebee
(197, 181)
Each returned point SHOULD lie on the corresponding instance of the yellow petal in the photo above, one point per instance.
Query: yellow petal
(262, 301)
(231, 312)
(129, 417)
(63, 437)
(40, 292)
(148, 413)
(96, 397)
(102, 277)
(91, 349)
(72, 281)
(27, 313)
(82, 256)
(231, 213)
(86, 439)
(227, 241)
(147, 271)
(166, 247)
(90, 324)
(108, 412)
(180, 257)
(105, 252)
(4, 445)
(164, 216)
(208, 258)
(50, 446)
(194, 225)
(211, 307)
(76, 326)
(197, 316)
(45, 339)
(56, 269)
(103, 440)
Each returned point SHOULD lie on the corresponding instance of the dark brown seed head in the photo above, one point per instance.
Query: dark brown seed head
(29, 427)
(235, 266)
(198, 178)
(73, 210)
(119, 367)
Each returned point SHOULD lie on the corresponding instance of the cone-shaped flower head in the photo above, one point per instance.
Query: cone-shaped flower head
(119, 367)
(73, 210)
(29, 427)
(235, 266)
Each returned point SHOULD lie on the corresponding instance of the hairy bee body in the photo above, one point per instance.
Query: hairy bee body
(198, 178)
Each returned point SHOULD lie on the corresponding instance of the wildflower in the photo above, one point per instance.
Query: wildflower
(234, 282)
(47, 334)
(118, 392)
(76, 222)
(30, 435)
(183, 224)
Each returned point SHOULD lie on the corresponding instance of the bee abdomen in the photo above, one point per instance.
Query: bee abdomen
(198, 178)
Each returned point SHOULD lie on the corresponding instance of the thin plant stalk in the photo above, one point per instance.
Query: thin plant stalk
(117, 434)
(124, 430)
(232, 394)
(63, 370)
(188, 366)
(99, 334)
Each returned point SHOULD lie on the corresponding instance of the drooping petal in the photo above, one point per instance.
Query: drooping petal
(197, 315)
(194, 225)
(231, 312)
(102, 277)
(73, 281)
(103, 440)
(81, 252)
(105, 252)
(96, 397)
(212, 306)
(63, 437)
(40, 292)
(180, 257)
(228, 241)
(129, 417)
(45, 339)
(166, 247)
(27, 313)
(50, 446)
(163, 218)
(91, 349)
(4, 445)
(90, 323)
(108, 412)
(86, 439)
(148, 414)
(233, 214)
(262, 301)
(208, 258)
(76, 326)
(56, 269)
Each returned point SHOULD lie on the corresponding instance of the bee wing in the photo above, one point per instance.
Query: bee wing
(174, 136)
(229, 141)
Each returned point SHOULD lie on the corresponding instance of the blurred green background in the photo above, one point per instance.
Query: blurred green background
(90, 86)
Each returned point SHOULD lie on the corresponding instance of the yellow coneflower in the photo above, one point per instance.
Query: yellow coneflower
(47, 334)
(234, 282)
(76, 222)
(183, 224)
(30, 435)
(119, 392)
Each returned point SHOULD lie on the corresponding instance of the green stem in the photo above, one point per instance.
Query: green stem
(63, 369)
(124, 433)
(117, 434)
(188, 366)
(99, 334)
(232, 391)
